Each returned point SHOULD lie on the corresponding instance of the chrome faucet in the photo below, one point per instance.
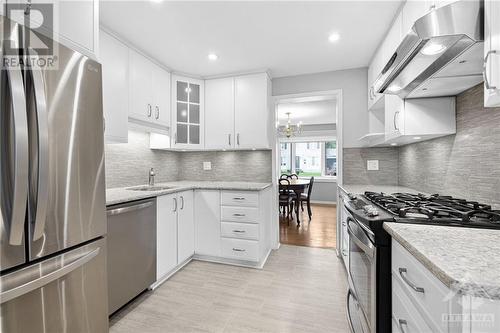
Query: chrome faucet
(151, 177)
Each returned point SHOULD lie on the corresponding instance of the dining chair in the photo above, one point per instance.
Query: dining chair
(293, 176)
(307, 198)
(286, 200)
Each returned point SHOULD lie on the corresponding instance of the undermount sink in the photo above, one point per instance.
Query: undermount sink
(150, 188)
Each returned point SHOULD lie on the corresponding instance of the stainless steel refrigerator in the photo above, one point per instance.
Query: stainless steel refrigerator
(53, 214)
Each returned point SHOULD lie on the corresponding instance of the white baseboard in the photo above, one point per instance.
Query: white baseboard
(234, 262)
(167, 276)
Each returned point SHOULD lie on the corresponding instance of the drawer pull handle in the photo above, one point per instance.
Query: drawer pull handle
(401, 323)
(238, 198)
(238, 250)
(239, 231)
(239, 215)
(402, 273)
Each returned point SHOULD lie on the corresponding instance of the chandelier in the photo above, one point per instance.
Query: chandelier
(289, 129)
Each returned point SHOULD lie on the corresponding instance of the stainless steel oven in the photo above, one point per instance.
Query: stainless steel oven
(363, 272)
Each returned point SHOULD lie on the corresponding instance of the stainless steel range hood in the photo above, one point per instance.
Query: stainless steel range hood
(442, 55)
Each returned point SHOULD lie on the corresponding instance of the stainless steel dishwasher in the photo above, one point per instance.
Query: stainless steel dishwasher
(131, 251)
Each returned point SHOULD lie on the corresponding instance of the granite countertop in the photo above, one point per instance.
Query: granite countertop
(464, 259)
(124, 194)
(360, 189)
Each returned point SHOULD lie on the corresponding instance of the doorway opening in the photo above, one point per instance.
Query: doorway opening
(307, 164)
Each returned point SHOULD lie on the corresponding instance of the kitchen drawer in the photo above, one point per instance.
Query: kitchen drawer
(405, 317)
(242, 198)
(239, 214)
(431, 299)
(240, 249)
(240, 230)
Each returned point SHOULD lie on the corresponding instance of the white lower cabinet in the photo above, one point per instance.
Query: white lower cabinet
(185, 226)
(207, 222)
(190, 225)
(241, 249)
(166, 235)
(175, 231)
(422, 303)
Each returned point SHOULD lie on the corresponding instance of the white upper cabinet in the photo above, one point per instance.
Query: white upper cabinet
(75, 24)
(219, 114)
(161, 96)
(419, 119)
(492, 53)
(187, 113)
(149, 93)
(252, 115)
(115, 90)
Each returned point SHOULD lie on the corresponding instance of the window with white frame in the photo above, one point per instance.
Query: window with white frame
(307, 159)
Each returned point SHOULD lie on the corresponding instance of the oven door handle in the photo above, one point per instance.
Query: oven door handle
(367, 248)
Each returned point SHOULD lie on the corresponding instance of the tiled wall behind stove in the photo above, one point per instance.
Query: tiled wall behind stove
(355, 171)
(129, 164)
(465, 165)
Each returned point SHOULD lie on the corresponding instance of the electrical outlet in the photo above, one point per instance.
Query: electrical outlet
(207, 165)
(372, 165)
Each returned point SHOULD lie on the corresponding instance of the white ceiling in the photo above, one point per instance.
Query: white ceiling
(288, 38)
(310, 113)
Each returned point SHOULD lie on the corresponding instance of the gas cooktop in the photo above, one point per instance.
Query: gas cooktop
(436, 209)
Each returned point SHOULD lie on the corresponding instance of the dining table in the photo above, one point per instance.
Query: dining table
(298, 186)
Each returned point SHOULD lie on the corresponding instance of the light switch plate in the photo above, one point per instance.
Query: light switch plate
(207, 165)
(372, 165)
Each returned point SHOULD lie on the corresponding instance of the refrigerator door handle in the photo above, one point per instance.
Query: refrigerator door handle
(17, 291)
(43, 149)
(21, 167)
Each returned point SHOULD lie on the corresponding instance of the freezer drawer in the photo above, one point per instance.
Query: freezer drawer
(66, 293)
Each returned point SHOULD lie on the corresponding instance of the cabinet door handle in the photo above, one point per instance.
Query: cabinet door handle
(238, 250)
(402, 322)
(402, 273)
(487, 84)
(175, 138)
(239, 215)
(229, 139)
(157, 108)
(239, 231)
(238, 139)
(175, 205)
(182, 202)
(396, 114)
(150, 110)
(238, 198)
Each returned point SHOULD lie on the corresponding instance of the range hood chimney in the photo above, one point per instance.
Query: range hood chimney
(442, 55)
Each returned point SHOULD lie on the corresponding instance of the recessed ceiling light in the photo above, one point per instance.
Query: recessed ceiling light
(156, 1)
(394, 144)
(334, 37)
(213, 56)
(417, 137)
(433, 49)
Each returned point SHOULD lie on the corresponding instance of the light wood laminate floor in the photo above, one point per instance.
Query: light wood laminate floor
(300, 289)
(319, 232)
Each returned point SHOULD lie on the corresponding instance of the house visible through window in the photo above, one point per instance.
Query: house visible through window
(308, 159)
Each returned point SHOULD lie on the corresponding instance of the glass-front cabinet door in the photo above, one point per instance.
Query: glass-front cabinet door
(187, 122)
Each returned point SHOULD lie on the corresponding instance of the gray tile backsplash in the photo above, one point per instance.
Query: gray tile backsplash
(355, 170)
(465, 165)
(129, 164)
(255, 166)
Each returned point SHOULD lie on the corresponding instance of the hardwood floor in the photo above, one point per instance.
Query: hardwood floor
(300, 289)
(319, 232)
